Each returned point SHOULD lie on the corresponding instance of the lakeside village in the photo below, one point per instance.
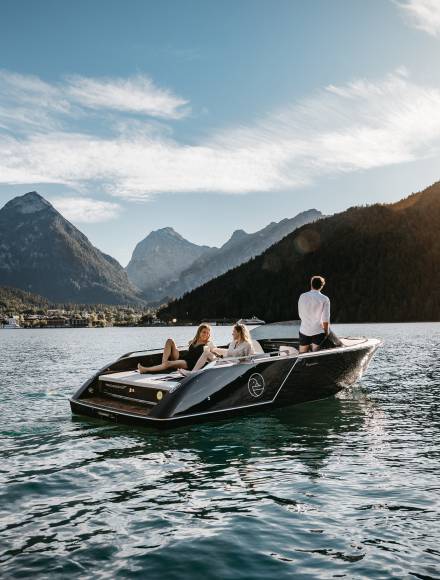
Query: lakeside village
(104, 317)
(83, 317)
(21, 309)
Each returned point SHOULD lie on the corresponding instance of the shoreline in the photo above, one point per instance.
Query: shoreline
(196, 324)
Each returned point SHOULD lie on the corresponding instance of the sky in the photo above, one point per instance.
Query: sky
(211, 116)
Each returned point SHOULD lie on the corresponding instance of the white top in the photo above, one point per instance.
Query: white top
(313, 309)
(240, 349)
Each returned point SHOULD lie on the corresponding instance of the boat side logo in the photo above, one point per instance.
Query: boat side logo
(256, 385)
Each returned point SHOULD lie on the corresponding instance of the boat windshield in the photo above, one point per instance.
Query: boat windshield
(286, 329)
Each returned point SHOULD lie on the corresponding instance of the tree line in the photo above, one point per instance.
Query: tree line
(382, 264)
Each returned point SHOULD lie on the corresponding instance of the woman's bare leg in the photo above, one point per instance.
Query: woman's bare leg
(170, 351)
(203, 359)
(170, 355)
(170, 364)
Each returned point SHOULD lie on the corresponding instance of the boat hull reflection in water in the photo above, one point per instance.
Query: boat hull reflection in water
(276, 376)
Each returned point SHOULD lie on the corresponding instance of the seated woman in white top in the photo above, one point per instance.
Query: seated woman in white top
(240, 346)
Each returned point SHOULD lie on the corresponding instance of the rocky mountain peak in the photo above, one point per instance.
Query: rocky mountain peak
(240, 248)
(29, 203)
(160, 257)
(236, 237)
(42, 252)
(238, 234)
(166, 233)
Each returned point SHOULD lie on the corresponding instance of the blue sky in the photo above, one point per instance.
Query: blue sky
(213, 116)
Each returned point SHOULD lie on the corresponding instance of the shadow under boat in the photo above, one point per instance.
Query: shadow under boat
(308, 434)
(276, 376)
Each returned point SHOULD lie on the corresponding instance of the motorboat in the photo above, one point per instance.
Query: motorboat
(251, 321)
(275, 376)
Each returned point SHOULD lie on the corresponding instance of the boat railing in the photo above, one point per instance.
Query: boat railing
(149, 351)
(137, 352)
(347, 342)
(248, 359)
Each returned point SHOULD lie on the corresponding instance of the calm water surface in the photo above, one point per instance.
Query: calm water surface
(344, 488)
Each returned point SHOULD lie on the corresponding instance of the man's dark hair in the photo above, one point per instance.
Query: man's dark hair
(317, 282)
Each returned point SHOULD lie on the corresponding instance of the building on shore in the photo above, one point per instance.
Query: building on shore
(79, 323)
(57, 322)
(10, 323)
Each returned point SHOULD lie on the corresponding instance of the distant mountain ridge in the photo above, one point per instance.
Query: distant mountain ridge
(43, 253)
(160, 258)
(381, 263)
(240, 248)
(163, 270)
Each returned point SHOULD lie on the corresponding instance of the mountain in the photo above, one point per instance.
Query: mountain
(159, 259)
(381, 264)
(240, 248)
(42, 252)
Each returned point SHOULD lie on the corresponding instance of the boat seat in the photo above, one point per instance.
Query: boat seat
(257, 347)
(165, 382)
(287, 350)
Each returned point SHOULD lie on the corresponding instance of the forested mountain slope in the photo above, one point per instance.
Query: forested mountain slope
(382, 263)
(16, 301)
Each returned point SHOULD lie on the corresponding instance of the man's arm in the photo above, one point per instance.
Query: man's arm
(300, 304)
(326, 316)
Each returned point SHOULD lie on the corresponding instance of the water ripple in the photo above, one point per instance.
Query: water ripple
(346, 487)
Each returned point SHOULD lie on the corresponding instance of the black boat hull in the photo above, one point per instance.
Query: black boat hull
(259, 384)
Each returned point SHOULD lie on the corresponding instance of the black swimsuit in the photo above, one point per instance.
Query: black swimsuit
(193, 355)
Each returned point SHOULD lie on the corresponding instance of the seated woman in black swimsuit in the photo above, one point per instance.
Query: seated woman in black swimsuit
(171, 358)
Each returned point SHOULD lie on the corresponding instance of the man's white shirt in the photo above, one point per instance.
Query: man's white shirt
(313, 309)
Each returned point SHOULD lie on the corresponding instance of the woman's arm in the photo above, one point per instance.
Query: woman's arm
(219, 351)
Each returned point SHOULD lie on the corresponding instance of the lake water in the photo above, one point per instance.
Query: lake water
(343, 488)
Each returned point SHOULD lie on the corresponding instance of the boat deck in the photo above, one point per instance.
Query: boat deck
(162, 381)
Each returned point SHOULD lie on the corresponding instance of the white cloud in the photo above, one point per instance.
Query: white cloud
(27, 102)
(423, 14)
(86, 210)
(138, 94)
(340, 129)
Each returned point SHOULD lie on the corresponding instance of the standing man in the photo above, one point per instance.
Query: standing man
(314, 311)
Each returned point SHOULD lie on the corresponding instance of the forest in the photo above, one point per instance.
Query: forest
(15, 301)
(381, 263)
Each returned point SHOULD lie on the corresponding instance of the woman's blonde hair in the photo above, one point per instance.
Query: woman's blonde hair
(243, 332)
(195, 340)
